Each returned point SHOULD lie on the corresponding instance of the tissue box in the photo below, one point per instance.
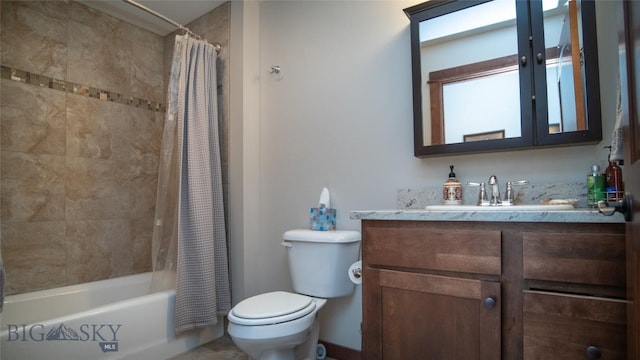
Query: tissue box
(323, 219)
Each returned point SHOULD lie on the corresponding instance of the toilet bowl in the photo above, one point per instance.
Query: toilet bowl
(283, 325)
(274, 325)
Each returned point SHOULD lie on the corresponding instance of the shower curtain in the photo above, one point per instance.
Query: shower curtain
(189, 237)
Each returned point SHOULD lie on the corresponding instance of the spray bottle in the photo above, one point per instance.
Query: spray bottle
(595, 186)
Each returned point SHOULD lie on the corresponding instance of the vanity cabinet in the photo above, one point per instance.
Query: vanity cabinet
(492, 290)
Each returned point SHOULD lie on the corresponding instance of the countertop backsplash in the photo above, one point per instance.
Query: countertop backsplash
(418, 198)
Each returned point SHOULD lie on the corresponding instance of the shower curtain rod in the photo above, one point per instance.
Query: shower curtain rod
(178, 25)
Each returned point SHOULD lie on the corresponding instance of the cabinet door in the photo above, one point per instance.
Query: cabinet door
(568, 327)
(418, 316)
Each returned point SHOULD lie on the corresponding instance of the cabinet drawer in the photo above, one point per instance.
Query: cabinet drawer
(434, 249)
(560, 326)
(594, 259)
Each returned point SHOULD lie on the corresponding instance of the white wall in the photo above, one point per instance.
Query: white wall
(341, 116)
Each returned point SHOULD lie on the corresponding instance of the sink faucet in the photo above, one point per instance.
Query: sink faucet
(491, 196)
(494, 196)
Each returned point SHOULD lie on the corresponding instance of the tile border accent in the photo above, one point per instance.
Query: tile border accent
(26, 77)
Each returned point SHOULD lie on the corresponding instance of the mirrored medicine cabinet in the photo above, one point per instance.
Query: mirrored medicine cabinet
(503, 74)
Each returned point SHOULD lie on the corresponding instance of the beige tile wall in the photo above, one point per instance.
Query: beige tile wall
(79, 158)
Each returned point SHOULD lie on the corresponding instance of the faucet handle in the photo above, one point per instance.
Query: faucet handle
(519, 182)
(483, 199)
(508, 194)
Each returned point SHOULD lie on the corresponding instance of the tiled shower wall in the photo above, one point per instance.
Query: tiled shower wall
(81, 120)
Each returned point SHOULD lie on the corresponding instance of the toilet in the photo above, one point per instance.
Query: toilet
(283, 325)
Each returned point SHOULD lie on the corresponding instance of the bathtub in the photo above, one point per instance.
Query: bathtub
(107, 319)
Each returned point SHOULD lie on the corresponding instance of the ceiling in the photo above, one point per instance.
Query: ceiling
(180, 11)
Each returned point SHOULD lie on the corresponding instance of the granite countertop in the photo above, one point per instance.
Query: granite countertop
(411, 205)
(579, 215)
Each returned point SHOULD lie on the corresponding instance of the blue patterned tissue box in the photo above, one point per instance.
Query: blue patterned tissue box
(323, 219)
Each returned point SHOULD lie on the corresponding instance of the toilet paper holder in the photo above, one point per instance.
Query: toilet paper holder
(355, 272)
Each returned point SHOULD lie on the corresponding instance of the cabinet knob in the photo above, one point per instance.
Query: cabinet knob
(489, 303)
(523, 60)
(593, 352)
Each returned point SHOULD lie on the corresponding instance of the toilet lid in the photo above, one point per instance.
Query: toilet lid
(272, 308)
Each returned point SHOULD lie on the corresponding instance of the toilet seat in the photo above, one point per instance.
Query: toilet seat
(271, 308)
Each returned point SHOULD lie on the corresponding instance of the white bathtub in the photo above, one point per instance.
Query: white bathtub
(108, 319)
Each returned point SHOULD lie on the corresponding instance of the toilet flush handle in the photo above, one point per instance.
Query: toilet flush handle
(286, 244)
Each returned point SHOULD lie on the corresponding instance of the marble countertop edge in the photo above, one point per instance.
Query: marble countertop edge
(579, 215)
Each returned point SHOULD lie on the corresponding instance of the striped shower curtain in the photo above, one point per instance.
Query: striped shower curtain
(189, 235)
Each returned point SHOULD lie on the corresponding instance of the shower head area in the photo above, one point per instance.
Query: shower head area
(163, 17)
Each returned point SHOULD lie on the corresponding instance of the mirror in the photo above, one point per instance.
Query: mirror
(478, 64)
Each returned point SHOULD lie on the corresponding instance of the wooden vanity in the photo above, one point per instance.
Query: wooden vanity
(441, 289)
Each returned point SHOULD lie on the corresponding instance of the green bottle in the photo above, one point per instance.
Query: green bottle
(596, 184)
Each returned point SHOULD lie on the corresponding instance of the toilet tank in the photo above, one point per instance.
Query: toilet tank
(319, 261)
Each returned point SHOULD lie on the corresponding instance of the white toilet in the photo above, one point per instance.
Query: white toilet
(282, 325)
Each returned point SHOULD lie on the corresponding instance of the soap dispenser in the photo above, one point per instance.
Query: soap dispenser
(452, 190)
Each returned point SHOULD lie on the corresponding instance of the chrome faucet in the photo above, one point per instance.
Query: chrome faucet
(491, 196)
(494, 194)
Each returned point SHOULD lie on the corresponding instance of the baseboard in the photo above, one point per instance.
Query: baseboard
(339, 352)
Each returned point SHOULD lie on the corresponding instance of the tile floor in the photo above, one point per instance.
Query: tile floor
(219, 349)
